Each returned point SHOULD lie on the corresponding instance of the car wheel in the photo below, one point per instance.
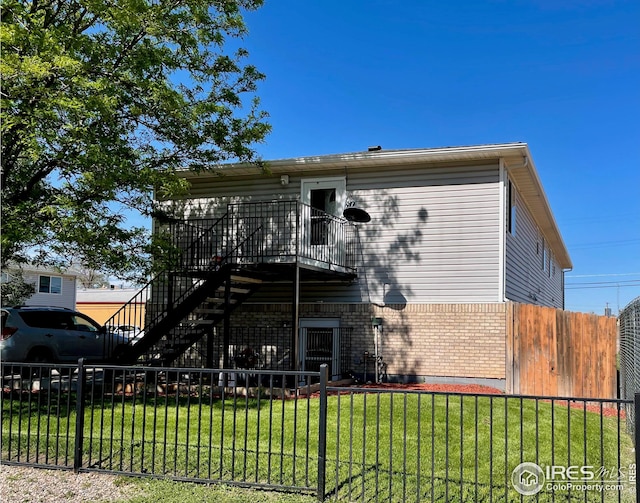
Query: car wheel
(34, 358)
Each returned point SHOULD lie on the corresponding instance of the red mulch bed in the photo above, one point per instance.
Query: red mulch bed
(444, 388)
(608, 410)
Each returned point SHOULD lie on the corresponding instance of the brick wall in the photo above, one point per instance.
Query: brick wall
(439, 340)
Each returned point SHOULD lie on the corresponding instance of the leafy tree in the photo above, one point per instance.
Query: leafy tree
(87, 277)
(15, 291)
(102, 102)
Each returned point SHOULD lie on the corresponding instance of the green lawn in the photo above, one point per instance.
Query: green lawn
(380, 447)
(461, 448)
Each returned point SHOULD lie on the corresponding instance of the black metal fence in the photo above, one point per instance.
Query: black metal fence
(186, 424)
(342, 444)
(400, 445)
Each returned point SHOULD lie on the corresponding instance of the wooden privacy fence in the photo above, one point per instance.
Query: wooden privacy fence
(560, 353)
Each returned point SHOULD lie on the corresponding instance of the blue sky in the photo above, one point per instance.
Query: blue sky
(562, 76)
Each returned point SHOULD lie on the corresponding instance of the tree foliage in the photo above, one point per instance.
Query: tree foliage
(15, 291)
(87, 277)
(102, 102)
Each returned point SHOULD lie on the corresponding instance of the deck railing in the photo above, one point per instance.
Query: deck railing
(290, 231)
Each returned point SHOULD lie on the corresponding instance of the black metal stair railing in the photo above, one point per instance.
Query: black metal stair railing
(199, 252)
(222, 293)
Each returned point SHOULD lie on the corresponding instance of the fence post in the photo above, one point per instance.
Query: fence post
(636, 437)
(322, 432)
(77, 454)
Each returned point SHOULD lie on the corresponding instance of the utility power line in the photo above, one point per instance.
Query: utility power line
(607, 285)
(605, 282)
(603, 275)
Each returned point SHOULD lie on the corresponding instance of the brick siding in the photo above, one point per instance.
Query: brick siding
(439, 340)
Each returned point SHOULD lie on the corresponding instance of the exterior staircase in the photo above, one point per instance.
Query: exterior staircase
(215, 267)
(214, 298)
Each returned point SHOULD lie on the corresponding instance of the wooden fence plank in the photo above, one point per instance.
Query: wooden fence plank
(564, 326)
(577, 344)
(528, 379)
(516, 349)
(546, 343)
(588, 350)
(553, 353)
(508, 321)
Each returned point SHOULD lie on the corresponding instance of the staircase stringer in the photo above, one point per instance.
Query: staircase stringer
(166, 300)
(207, 315)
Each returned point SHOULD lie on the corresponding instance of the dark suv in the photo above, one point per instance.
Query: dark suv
(54, 334)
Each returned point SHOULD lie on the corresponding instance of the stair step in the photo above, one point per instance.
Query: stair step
(201, 322)
(206, 310)
(245, 279)
(234, 289)
(220, 300)
(176, 345)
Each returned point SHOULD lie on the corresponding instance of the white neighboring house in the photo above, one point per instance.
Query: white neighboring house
(52, 288)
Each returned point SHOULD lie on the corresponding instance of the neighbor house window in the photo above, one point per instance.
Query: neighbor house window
(512, 210)
(544, 255)
(50, 284)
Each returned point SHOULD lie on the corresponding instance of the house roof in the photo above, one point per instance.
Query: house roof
(36, 269)
(516, 158)
(105, 295)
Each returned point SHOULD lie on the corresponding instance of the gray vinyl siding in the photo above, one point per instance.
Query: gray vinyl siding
(227, 190)
(67, 297)
(526, 280)
(434, 235)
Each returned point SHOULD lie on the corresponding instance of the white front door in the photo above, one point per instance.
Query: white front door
(324, 199)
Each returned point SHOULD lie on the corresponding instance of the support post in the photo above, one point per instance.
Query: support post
(227, 321)
(77, 453)
(295, 308)
(209, 357)
(322, 432)
(169, 306)
(295, 313)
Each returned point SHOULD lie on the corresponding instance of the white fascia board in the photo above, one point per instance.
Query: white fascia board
(357, 160)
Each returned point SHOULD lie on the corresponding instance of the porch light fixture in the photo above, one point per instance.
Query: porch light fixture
(284, 180)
